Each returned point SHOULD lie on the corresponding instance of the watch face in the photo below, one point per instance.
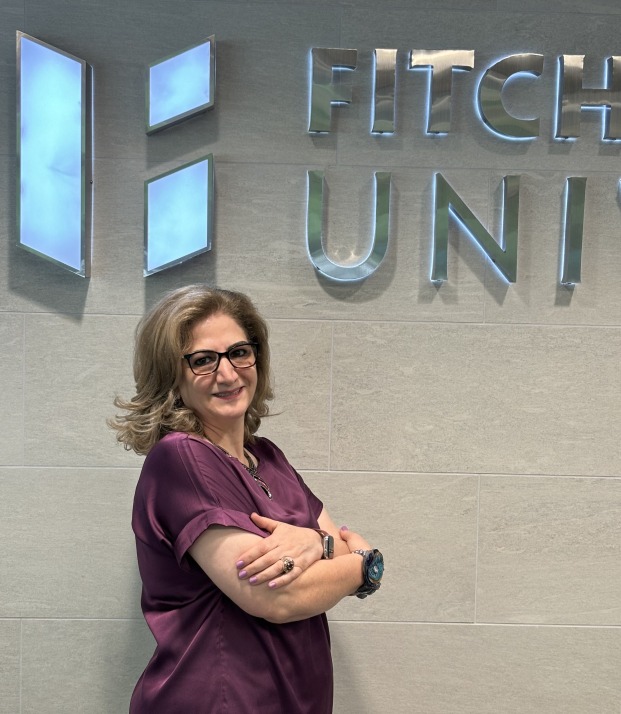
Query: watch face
(328, 546)
(376, 567)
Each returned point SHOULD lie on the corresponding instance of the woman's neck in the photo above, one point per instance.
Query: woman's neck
(231, 440)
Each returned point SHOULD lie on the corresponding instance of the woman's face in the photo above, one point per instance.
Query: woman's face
(221, 399)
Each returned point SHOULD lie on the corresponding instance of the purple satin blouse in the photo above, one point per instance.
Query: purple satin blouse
(211, 657)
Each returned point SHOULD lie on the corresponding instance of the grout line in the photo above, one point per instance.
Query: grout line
(376, 472)
(330, 398)
(24, 391)
(433, 623)
(23, 620)
(476, 550)
(435, 323)
(388, 474)
(21, 655)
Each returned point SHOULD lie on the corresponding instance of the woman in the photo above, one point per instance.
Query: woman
(234, 550)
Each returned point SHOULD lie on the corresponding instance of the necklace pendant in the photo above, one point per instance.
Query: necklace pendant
(251, 468)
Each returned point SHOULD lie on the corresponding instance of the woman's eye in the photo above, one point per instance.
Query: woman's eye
(240, 352)
(203, 360)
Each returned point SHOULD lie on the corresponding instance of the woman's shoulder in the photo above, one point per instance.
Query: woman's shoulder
(265, 448)
(176, 448)
(175, 462)
(175, 441)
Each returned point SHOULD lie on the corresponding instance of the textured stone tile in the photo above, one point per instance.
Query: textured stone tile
(465, 669)
(87, 362)
(549, 551)
(538, 296)
(9, 666)
(301, 368)
(476, 398)
(425, 526)
(564, 7)
(12, 388)
(88, 666)
(7, 113)
(420, 5)
(69, 548)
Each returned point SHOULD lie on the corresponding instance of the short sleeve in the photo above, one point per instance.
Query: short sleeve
(184, 488)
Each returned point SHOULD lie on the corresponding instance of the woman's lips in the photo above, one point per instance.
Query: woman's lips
(231, 394)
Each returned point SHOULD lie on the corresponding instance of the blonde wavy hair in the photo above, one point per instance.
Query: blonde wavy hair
(162, 336)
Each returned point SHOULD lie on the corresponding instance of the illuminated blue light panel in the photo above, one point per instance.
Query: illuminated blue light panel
(181, 86)
(178, 215)
(53, 200)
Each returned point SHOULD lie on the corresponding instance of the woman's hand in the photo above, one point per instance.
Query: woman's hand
(263, 562)
(353, 540)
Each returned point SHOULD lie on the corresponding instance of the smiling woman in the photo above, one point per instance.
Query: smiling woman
(239, 560)
(220, 397)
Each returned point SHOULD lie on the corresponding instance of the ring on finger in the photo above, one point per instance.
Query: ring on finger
(287, 564)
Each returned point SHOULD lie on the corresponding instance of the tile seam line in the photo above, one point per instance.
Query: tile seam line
(430, 323)
(23, 620)
(476, 549)
(419, 167)
(21, 659)
(495, 474)
(335, 472)
(439, 623)
(24, 382)
(433, 623)
(331, 397)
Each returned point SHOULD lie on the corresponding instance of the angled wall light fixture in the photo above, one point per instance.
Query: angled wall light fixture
(178, 222)
(181, 86)
(54, 143)
(178, 215)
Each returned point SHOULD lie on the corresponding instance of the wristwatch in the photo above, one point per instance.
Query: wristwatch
(372, 571)
(328, 543)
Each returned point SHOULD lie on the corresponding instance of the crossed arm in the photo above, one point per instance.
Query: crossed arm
(248, 568)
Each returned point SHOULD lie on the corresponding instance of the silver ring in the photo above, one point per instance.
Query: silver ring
(287, 564)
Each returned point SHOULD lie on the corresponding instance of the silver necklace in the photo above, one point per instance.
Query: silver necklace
(251, 468)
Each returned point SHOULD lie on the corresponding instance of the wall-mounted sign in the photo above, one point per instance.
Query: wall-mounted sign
(571, 98)
(55, 131)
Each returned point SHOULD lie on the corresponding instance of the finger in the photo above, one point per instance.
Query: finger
(267, 524)
(344, 532)
(257, 551)
(271, 561)
(285, 579)
(275, 572)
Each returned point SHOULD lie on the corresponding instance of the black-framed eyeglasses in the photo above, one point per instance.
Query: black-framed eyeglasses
(241, 356)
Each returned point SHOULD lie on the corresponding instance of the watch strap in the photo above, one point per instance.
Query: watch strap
(327, 542)
(372, 572)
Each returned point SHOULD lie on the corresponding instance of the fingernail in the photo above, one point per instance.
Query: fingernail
(253, 580)
(243, 574)
(272, 584)
(344, 528)
(240, 563)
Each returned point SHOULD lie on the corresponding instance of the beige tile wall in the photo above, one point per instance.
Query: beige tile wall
(470, 430)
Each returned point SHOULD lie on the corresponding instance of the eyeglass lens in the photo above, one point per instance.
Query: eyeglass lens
(207, 361)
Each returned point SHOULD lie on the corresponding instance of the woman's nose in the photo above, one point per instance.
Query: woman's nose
(226, 370)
